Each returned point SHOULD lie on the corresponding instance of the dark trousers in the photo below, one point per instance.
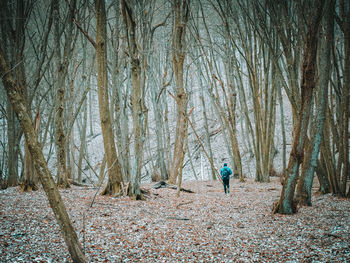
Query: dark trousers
(226, 185)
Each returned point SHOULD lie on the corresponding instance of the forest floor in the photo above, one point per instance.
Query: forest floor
(205, 226)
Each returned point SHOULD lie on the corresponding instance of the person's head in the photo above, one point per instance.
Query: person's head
(225, 164)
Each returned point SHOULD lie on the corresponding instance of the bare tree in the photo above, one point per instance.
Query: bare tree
(62, 62)
(137, 98)
(115, 178)
(181, 14)
(345, 10)
(19, 105)
(286, 204)
(311, 156)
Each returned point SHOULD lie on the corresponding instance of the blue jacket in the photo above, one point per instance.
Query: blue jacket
(225, 168)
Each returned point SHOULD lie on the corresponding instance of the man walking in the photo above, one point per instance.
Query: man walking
(225, 175)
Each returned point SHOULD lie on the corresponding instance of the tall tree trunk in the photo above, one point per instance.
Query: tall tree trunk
(326, 156)
(62, 174)
(12, 38)
(30, 182)
(114, 171)
(161, 165)
(137, 101)
(167, 143)
(12, 132)
(310, 161)
(321, 172)
(82, 141)
(29, 178)
(181, 13)
(286, 204)
(284, 141)
(346, 98)
(86, 81)
(55, 200)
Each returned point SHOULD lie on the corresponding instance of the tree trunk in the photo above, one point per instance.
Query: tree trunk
(62, 174)
(181, 13)
(55, 200)
(326, 157)
(310, 161)
(30, 182)
(159, 134)
(12, 40)
(12, 179)
(321, 172)
(286, 204)
(168, 155)
(346, 99)
(284, 141)
(82, 140)
(120, 100)
(114, 171)
(137, 101)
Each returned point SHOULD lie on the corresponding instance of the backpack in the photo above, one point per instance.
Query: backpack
(225, 174)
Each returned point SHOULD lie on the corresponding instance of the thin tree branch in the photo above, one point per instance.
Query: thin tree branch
(82, 30)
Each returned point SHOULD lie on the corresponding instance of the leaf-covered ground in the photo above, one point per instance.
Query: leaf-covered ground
(206, 226)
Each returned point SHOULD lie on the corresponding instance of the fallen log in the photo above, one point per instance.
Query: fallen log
(71, 181)
(162, 184)
(178, 218)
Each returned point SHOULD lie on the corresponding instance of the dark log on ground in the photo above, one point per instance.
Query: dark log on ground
(77, 183)
(163, 184)
(178, 218)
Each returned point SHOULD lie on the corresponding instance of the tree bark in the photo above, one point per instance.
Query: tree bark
(12, 132)
(321, 172)
(326, 156)
(30, 182)
(114, 171)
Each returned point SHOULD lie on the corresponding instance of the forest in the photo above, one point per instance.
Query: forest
(116, 117)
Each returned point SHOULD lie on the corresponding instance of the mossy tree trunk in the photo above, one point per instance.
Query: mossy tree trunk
(305, 182)
(286, 204)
